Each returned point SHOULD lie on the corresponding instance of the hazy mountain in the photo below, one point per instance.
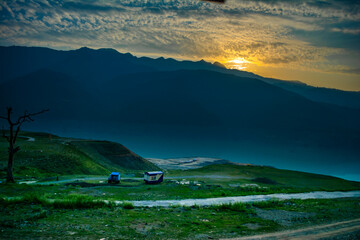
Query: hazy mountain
(19, 61)
(90, 66)
(191, 96)
(320, 94)
(193, 108)
(350, 99)
(188, 103)
(43, 89)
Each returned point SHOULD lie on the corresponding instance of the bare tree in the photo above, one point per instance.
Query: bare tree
(14, 128)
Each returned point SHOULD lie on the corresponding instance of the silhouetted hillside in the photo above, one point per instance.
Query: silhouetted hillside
(194, 108)
(63, 95)
(207, 97)
(93, 66)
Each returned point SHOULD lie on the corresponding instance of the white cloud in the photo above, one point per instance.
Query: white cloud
(346, 30)
(260, 31)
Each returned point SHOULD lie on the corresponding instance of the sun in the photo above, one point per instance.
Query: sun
(238, 63)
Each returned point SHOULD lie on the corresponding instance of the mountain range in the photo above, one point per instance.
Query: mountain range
(167, 107)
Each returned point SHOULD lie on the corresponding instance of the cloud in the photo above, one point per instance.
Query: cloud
(342, 10)
(263, 32)
(351, 70)
(346, 30)
(5, 7)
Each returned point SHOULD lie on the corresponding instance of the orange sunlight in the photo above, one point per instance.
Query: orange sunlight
(238, 63)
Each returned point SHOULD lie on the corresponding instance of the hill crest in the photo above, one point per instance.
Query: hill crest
(48, 154)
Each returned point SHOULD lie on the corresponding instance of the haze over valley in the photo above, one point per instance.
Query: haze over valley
(163, 108)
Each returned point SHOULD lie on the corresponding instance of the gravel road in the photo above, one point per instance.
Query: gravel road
(245, 199)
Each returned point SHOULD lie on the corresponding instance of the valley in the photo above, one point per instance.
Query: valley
(164, 108)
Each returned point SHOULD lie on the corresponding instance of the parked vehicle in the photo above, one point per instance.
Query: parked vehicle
(153, 177)
(114, 177)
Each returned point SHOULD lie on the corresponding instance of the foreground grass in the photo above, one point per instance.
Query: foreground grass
(69, 202)
(132, 190)
(34, 217)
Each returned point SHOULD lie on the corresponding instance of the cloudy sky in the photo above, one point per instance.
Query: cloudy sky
(314, 41)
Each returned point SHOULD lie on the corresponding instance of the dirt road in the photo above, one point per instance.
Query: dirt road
(340, 230)
(244, 199)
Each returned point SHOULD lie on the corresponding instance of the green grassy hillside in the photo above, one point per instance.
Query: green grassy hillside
(46, 154)
(267, 176)
(111, 154)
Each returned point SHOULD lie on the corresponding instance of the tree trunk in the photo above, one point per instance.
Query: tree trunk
(10, 176)
(13, 136)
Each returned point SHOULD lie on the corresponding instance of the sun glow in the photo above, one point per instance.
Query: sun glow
(238, 63)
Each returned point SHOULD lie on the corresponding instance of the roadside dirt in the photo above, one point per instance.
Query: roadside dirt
(282, 217)
(244, 199)
(340, 230)
(211, 176)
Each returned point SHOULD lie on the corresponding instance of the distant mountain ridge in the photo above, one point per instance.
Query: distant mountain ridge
(164, 106)
(88, 65)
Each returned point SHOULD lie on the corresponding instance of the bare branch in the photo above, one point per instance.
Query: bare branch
(27, 116)
(3, 117)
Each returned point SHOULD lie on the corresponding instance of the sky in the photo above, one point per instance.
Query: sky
(313, 41)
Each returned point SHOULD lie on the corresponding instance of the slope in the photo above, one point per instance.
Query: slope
(17, 61)
(91, 66)
(212, 98)
(113, 155)
(201, 112)
(270, 177)
(319, 94)
(60, 93)
(48, 154)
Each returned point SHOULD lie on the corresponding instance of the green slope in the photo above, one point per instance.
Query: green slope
(270, 177)
(53, 155)
(110, 155)
(50, 155)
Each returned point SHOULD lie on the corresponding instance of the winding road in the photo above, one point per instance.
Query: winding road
(245, 199)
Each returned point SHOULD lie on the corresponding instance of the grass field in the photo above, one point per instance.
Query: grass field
(49, 156)
(74, 206)
(26, 219)
(175, 188)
